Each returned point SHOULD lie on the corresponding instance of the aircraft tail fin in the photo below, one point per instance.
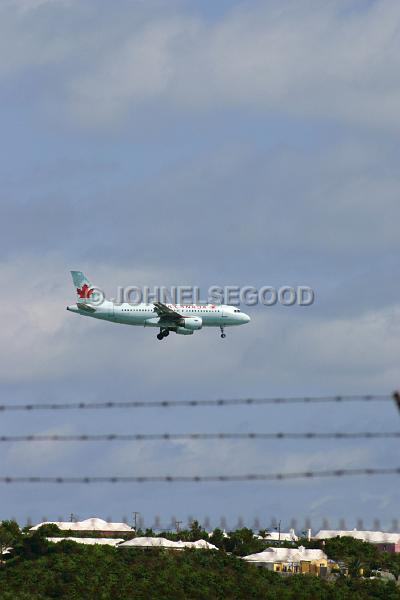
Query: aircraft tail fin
(84, 288)
(88, 297)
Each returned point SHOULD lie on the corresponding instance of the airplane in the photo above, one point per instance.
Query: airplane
(181, 319)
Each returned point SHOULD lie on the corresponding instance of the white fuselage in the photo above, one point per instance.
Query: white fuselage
(145, 315)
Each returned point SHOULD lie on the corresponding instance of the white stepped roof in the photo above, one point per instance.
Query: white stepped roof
(275, 536)
(295, 555)
(88, 541)
(374, 537)
(200, 545)
(92, 524)
(160, 542)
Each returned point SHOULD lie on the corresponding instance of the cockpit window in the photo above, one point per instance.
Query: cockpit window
(236, 310)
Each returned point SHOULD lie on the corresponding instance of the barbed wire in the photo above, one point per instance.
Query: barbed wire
(197, 403)
(206, 478)
(110, 437)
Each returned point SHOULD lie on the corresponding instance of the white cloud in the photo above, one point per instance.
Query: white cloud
(325, 60)
(27, 39)
(304, 59)
(365, 346)
(137, 71)
(326, 353)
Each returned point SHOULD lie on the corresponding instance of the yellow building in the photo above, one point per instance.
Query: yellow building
(291, 560)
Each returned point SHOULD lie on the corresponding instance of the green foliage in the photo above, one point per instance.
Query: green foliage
(11, 527)
(69, 571)
(357, 556)
(389, 562)
(194, 533)
(40, 570)
(197, 532)
(218, 538)
(51, 530)
(10, 533)
(349, 549)
(240, 542)
(31, 546)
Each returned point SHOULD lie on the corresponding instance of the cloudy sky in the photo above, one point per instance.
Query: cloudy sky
(200, 143)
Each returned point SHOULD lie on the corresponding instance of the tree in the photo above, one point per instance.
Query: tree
(242, 542)
(218, 538)
(32, 546)
(358, 556)
(50, 530)
(264, 533)
(355, 566)
(9, 535)
(196, 532)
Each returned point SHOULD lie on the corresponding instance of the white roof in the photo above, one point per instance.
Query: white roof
(200, 545)
(273, 555)
(274, 536)
(88, 541)
(374, 537)
(149, 542)
(160, 542)
(92, 524)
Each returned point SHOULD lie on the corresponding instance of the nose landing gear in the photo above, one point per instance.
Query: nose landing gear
(163, 333)
(223, 335)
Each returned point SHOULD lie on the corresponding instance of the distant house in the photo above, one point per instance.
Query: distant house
(385, 541)
(275, 536)
(147, 543)
(291, 560)
(4, 552)
(88, 541)
(93, 525)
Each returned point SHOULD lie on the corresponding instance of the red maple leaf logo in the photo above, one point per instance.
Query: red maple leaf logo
(85, 291)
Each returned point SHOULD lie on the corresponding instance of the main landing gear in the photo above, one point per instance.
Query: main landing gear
(223, 335)
(163, 333)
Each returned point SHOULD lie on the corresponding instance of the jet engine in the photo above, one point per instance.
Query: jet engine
(191, 323)
(183, 331)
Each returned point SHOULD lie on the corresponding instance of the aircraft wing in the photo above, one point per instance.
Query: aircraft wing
(164, 311)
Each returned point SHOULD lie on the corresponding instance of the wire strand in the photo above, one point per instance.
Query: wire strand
(196, 403)
(207, 478)
(111, 437)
